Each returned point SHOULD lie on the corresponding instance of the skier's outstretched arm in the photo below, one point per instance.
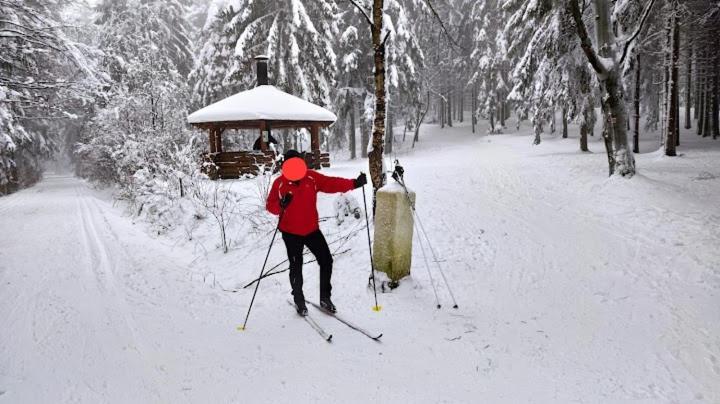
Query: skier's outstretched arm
(331, 185)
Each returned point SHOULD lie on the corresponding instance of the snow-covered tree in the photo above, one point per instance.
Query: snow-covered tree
(297, 35)
(489, 55)
(42, 71)
(139, 124)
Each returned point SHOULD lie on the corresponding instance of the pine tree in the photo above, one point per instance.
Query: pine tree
(297, 35)
(42, 72)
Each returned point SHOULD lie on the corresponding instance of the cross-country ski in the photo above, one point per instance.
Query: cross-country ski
(314, 325)
(342, 319)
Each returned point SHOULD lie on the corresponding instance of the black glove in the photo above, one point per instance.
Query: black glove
(285, 200)
(360, 180)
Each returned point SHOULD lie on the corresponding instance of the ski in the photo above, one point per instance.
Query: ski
(373, 336)
(315, 326)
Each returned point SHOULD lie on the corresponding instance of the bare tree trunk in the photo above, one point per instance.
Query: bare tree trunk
(364, 138)
(716, 98)
(378, 133)
(707, 103)
(351, 136)
(675, 81)
(420, 118)
(492, 122)
(389, 134)
(620, 159)
(538, 131)
(552, 122)
(672, 84)
(584, 136)
(442, 111)
(564, 123)
(473, 105)
(636, 106)
(698, 79)
(461, 105)
(701, 98)
(501, 109)
(449, 108)
(688, 85)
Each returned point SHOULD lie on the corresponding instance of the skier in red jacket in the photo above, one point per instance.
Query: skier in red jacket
(296, 203)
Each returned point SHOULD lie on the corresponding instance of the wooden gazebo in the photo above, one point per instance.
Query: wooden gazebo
(263, 108)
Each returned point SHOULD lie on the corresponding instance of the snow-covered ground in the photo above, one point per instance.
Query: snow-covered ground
(572, 288)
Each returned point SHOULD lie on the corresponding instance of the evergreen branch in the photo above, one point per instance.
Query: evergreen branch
(362, 10)
(637, 31)
(585, 42)
(442, 24)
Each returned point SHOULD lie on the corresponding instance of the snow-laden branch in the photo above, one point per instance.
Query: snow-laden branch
(637, 31)
(585, 42)
(442, 24)
(362, 10)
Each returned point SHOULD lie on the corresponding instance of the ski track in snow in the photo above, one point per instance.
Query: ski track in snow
(572, 288)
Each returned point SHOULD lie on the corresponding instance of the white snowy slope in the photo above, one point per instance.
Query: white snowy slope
(572, 288)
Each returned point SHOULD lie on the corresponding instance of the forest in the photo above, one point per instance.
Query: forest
(105, 86)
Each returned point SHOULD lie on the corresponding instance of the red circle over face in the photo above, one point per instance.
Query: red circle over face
(294, 169)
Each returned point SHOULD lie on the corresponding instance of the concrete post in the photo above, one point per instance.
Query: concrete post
(392, 245)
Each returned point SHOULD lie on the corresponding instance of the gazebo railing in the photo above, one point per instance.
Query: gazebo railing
(229, 165)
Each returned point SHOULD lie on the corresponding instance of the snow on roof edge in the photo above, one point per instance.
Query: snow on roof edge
(264, 102)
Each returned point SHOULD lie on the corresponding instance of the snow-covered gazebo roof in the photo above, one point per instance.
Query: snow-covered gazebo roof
(264, 108)
(262, 103)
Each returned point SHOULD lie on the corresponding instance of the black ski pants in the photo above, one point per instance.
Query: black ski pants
(317, 245)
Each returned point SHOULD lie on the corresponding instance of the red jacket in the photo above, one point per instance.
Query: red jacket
(301, 216)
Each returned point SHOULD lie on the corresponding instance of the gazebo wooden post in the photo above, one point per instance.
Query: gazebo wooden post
(263, 145)
(315, 145)
(218, 139)
(211, 139)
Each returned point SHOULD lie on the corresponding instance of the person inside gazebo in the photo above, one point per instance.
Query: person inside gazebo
(271, 140)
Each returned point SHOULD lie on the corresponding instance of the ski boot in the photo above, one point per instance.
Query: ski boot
(301, 308)
(328, 305)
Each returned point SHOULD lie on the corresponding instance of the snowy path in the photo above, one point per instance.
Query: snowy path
(89, 303)
(573, 288)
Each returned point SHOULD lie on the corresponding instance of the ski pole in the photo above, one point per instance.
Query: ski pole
(398, 176)
(257, 285)
(372, 265)
(432, 282)
(432, 251)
